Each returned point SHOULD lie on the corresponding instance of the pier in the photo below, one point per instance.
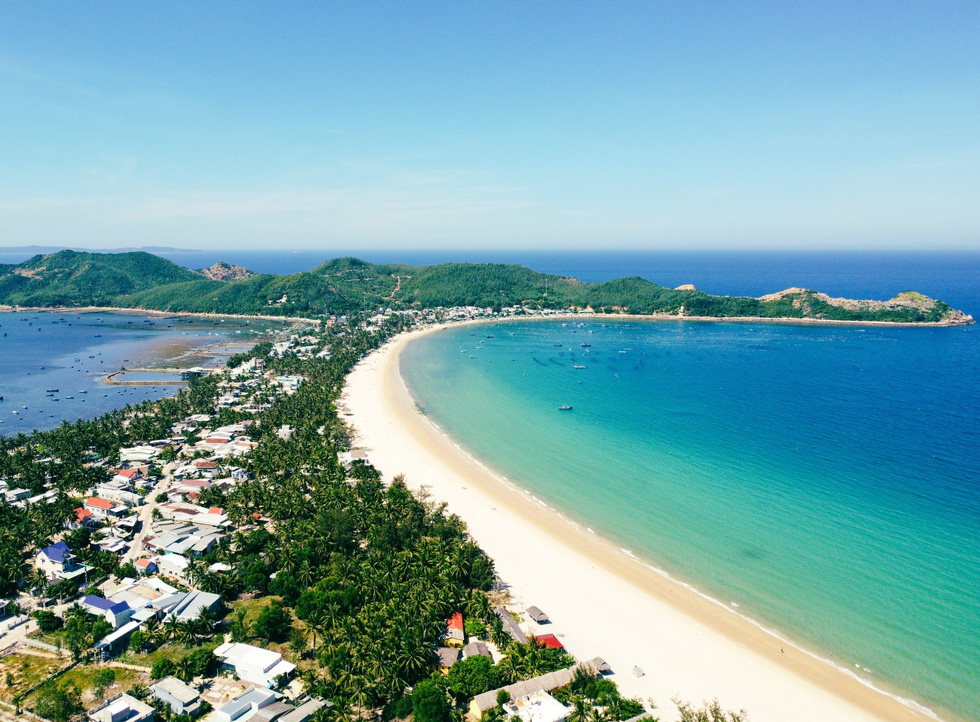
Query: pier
(185, 376)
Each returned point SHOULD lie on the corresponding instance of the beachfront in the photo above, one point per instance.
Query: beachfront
(603, 602)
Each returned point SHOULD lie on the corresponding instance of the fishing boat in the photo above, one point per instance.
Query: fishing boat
(52, 391)
(564, 408)
(580, 367)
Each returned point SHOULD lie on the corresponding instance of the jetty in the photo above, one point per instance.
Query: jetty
(185, 376)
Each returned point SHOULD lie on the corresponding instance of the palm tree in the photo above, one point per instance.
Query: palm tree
(581, 710)
(171, 627)
(183, 670)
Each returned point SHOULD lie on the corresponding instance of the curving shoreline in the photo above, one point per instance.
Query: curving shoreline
(604, 601)
(965, 320)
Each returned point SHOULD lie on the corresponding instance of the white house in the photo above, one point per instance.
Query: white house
(122, 708)
(57, 562)
(115, 613)
(181, 698)
(253, 664)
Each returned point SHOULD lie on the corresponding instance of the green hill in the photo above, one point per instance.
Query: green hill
(343, 285)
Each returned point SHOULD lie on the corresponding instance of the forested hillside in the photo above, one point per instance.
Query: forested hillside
(142, 280)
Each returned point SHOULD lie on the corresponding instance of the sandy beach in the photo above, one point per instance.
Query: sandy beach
(601, 601)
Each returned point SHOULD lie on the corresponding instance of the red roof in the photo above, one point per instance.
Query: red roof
(215, 510)
(98, 503)
(455, 622)
(143, 563)
(201, 464)
(82, 514)
(128, 473)
(550, 640)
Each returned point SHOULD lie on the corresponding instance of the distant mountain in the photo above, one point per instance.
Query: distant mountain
(142, 280)
(54, 249)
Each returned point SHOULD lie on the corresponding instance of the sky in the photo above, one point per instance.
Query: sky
(546, 125)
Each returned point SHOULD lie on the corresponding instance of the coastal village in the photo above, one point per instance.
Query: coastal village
(171, 590)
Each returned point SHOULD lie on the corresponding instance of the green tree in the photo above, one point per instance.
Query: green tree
(430, 703)
(58, 702)
(77, 636)
(162, 668)
(472, 676)
(103, 679)
(273, 623)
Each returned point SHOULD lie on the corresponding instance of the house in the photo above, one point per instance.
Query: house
(537, 615)
(454, 636)
(545, 683)
(253, 664)
(57, 562)
(122, 708)
(145, 566)
(446, 657)
(476, 649)
(537, 707)
(181, 698)
(104, 508)
(186, 606)
(550, 641)
(83, 517)
(115, 613)
(305, 712)
(173, 565)
(510, 626)
(117, 641)
(245, 706)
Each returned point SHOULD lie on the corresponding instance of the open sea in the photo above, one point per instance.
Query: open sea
(823, 479)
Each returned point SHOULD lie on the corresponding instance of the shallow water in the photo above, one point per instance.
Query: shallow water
(53, 363)
(822, 478)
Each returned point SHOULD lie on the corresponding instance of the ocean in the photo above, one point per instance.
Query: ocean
(73, 352)
(822, 479)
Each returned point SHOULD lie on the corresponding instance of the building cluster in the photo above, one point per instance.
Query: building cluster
(150, 510)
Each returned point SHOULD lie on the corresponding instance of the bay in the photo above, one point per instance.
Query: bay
(824, 479)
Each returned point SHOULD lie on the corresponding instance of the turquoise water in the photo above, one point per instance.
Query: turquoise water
(825, 479)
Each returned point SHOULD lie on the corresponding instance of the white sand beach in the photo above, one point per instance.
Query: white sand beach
(601, 601)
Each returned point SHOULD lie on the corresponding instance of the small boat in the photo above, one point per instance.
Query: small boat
(564, 408)
(69, 397)
(586, 345)
(52, 391)
(490, 336)
(580, 367)
(557, 345)
(82, 391)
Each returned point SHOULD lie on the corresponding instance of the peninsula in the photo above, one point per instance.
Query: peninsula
(139, 280)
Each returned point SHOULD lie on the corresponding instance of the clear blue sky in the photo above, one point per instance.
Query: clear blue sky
(490, 125)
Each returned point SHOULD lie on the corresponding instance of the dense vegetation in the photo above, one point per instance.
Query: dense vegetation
(351, 578)
(345, 285)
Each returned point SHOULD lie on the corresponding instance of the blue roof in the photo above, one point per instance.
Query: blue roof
(98, 602)
(56, 552)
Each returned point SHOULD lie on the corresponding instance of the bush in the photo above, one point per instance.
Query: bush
(472, 676)
(430, 703)
(162, 668)
(273, 623)
(48, 621)
(58, 703)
